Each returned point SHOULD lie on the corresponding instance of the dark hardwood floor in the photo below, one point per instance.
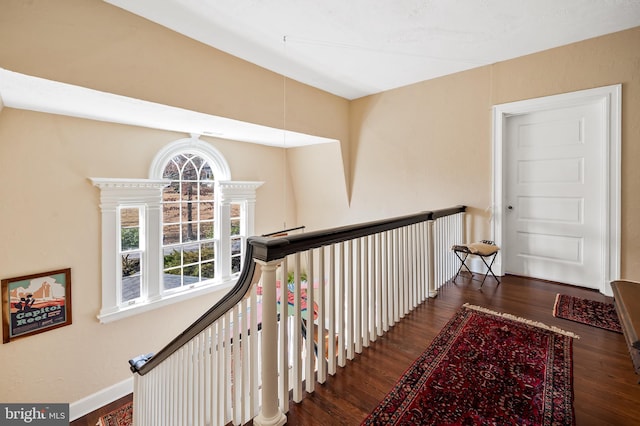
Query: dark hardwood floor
(605, 386)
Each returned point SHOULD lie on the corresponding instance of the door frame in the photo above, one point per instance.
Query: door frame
(610, 100)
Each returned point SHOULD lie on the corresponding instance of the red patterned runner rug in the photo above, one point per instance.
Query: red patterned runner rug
(486, 368)
(585, 311)
(122, 416)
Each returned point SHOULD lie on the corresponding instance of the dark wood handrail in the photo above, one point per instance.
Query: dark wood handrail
(268, 249)
(283, 232)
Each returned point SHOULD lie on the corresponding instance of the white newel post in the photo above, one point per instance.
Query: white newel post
(431, 259)
(270, 414)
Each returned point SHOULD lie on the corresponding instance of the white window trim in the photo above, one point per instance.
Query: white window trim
(117, 192)
(229, 192)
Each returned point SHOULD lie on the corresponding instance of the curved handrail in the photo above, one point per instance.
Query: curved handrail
(268, 249)
(227, 302)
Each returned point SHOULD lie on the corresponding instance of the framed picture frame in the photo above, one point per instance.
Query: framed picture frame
(36, 303)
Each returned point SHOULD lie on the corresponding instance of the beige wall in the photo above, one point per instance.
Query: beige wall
(424, 146)
(599, 62)
(50, 211)
(428, 145)
(51, 219)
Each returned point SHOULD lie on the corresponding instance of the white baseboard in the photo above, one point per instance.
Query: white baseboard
(99, 399)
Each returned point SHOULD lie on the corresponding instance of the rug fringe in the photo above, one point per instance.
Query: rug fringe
(522, 320)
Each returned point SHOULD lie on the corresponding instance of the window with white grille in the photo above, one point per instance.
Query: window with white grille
(189, 240)
(175, 235)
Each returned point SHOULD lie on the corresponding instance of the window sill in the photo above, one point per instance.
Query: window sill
(118, 313)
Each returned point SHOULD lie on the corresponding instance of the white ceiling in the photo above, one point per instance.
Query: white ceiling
(351, 48)
(354, 48)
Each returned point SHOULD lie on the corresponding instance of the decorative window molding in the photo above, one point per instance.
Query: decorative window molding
(194, 146)
(114, 195)
(242, 195)
(138, 243)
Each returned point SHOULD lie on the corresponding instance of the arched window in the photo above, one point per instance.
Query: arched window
(175, 235)
(189, 242)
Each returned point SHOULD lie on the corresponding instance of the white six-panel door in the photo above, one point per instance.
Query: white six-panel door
(553, 198)
(556, 187)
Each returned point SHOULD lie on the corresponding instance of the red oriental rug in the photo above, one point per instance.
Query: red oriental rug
(486, 368)
(585, 311)
(122, 416)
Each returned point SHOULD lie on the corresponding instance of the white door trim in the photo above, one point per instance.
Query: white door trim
(610, 99)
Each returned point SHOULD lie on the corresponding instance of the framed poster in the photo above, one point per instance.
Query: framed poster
(35, 303)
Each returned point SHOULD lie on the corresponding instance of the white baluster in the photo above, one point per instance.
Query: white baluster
(411, 259)
(221, 403)
(380, 288)
(185, 383)
(396, 288)
(349, 325)
(373, 288)
(236, 366)
(322, 302)
(228, 371)
(368, 298)
(390, 282)
(283, 338)
(310, 324)
(408, 258)
(297, 332)
(205, 378)
(340, 305)
(420, 260)
(245, 350)
(331, 311)
(254, 402)
(202, 348)
(358, 297)
(401, 259)
(385, 278)
(430, 245)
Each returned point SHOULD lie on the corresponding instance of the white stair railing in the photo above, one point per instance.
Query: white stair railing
(211, 380)
(280, 336)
